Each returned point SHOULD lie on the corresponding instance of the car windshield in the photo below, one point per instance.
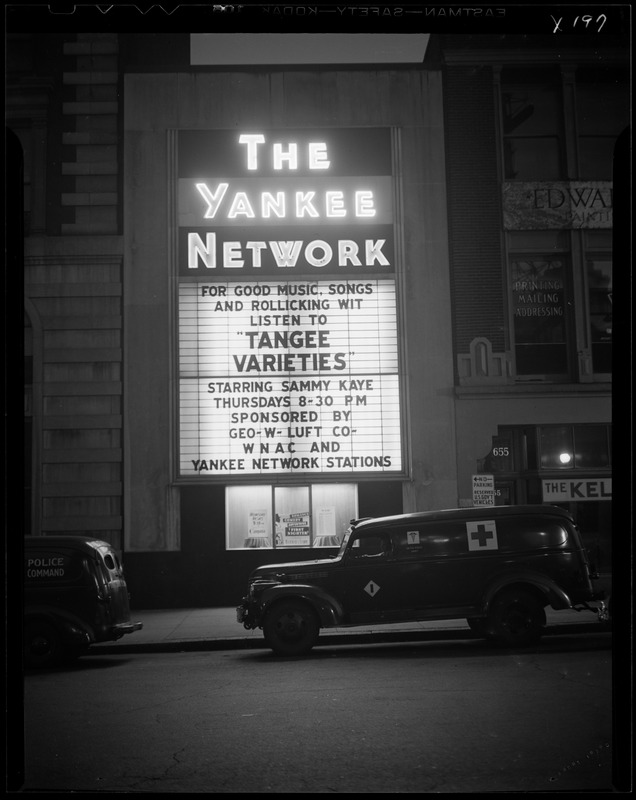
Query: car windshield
(343, 545)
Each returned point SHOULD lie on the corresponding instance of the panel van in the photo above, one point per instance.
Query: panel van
(75, 595)
(498, 568)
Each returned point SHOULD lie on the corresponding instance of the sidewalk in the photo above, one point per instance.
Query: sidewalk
(176, 630)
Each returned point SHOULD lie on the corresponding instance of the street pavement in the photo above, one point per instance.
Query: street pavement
(178, 630)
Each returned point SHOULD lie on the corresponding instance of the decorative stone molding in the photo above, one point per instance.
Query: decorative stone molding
(482, 367)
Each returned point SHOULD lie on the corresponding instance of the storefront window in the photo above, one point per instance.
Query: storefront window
(289, 516)
(575, 447)
(249, 517)
(591, 446)
(293, 527)
(539, 310)
(557, 447)
(333, 508)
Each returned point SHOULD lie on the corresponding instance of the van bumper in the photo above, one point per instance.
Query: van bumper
(597, 606)
(246, 615)
(122, 628)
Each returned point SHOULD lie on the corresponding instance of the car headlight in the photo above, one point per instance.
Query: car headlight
(258, 587)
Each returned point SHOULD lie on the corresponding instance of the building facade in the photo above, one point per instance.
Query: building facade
(260, 301)
(531, 227)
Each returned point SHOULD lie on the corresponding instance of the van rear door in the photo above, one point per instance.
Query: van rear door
(113, 588)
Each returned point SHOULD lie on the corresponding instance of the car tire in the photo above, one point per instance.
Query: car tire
(42, 644)
(291, 628)
(517, 618)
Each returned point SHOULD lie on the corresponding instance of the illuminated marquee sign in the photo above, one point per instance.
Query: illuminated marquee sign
(288, 340)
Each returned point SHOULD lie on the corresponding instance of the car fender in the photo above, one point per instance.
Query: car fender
(72, 629)
(328, 609)
(553, 594)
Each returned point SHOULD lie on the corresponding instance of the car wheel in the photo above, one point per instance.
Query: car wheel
(291, 628)
(42, 645)
(517, 618)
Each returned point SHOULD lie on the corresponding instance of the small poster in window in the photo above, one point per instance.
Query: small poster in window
(257, 523)
(326, 535)
(296, 530)
(257, 534)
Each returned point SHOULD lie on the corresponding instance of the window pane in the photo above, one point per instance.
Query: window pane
(531, 110)
(248, 515)
(548, 241)
(531, 449)
(603, 108)
(256, 520)
(598, 240)
(531, 115)
(373, 547)
(333, 506)
(293, 528)
(532, 159)
(541, 359)
(603, 112)
(539, 308)
(557, 447)
(596, 158)
(599, 273)
(591, 446)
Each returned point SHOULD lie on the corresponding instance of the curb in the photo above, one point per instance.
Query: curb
(325, 640)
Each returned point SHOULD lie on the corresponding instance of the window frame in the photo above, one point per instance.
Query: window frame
(263, 526)
(569, 320)
(592, 251)
(537, 80)
(574, 124)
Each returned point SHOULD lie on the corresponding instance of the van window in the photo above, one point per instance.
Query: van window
(370, 546)
(408, 543)
(531, 533)
(434, 540)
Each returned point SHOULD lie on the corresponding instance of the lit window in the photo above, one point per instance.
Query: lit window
(557, 447)
(575, 447)
(284, 517)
